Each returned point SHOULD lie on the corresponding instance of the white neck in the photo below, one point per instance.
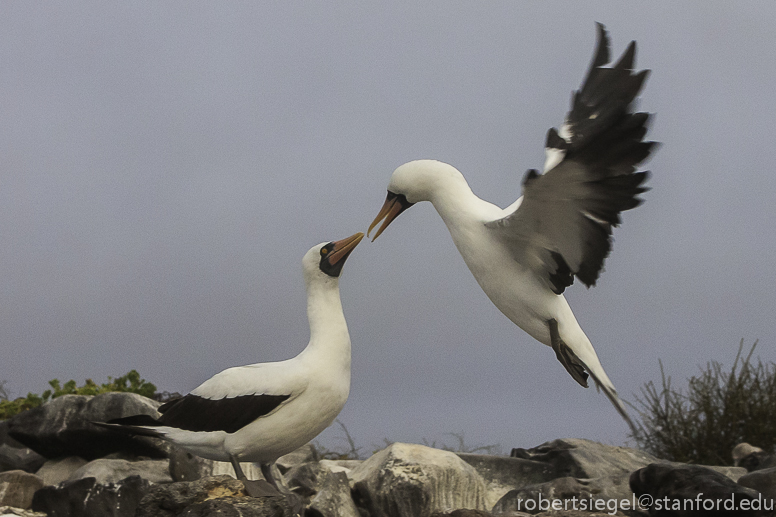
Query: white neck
(329, 338)
(455, 202)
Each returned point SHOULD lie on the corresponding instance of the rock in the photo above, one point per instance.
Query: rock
(304, 454)
(106, 471)
(18, 512)
(414, 480)
(19, 458)
(17, 488)
(764, 481)
(504, 474)
(238, 507)
(62, 427)
(464, 513)
(734, 473)
(752, 458)
(14, 455)
(185, 466)
(306, 479)
(333, 497)
(688, 490)
(573, 457)
(605, 494)
(340, 465)
(175, 499)
(87, 498)
(53, 472)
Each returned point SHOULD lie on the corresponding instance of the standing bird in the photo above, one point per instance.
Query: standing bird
(259, 412)
(526, 255)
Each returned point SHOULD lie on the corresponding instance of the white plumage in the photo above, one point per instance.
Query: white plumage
(524, 256)
(259, 412)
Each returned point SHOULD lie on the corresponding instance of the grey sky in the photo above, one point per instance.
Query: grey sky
(164, 167)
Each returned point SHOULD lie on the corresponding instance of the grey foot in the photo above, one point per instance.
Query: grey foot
(566, 356)
(259, 488)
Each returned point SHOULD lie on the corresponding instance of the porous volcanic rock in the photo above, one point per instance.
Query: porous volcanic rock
(63, 427)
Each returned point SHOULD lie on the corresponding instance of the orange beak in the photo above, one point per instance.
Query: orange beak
(343, 248)
(394, 205)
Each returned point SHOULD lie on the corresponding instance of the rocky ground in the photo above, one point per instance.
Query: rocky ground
(54, 462)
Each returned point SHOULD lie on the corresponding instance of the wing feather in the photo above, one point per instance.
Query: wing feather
(563, 227)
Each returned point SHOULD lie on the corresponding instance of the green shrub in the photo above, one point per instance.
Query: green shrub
(128, 383)
(718, 410)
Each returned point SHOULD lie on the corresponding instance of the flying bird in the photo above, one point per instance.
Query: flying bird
(526, 255)
(259, 412)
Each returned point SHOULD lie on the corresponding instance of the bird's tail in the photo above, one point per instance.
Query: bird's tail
(580, 357)
(608, 388)
(142, 425)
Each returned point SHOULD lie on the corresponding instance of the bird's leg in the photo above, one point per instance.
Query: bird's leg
(294, 499)
(566, 356)
(258, 488)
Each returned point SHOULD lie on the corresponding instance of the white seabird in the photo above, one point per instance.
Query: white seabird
(259, 412)
(524, 256)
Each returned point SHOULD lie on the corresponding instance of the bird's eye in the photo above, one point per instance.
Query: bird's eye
(324, 251)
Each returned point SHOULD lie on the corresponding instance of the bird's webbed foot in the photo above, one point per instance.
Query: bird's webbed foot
(259, 488)
(566, 356)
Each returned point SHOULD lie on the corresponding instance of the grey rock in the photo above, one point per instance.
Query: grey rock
(752, 458)
(333, 498)
(106, 471)
(504, 473)
(18, 512)
(87, 498)
(603, 494)
(53, 472)
(18, 487)
(306, 479)
(407, 480)
(304, 454)
(764, 481)
(62, 427)
(238, 507)
(175, 499)
(185, 466)
(14, 455)
(734, 473)
(19, 458)
(469, 513)
(574, 457)
(340, 465)
(671, 487)
(5, 438)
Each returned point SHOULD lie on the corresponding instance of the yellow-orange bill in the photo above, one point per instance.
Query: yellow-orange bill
(343, 247)
(391, 208)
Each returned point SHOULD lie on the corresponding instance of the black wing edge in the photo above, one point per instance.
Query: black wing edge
(199, 414)
(230, 414)
(604, 97)
(131, 425)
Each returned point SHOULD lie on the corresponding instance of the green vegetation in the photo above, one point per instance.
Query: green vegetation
(719, 410)
(130, 383)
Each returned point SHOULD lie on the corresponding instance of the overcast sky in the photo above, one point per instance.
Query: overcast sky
(165, 166)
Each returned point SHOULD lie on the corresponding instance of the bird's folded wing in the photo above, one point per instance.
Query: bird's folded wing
(229, 414)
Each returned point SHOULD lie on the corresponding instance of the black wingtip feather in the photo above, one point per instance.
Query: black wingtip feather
(601, 56)
(628, 58)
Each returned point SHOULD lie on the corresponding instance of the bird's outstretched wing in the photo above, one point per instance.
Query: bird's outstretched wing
(563, 226)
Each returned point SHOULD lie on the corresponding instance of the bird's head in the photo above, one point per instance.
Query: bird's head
(411, 183)
(326, 259)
